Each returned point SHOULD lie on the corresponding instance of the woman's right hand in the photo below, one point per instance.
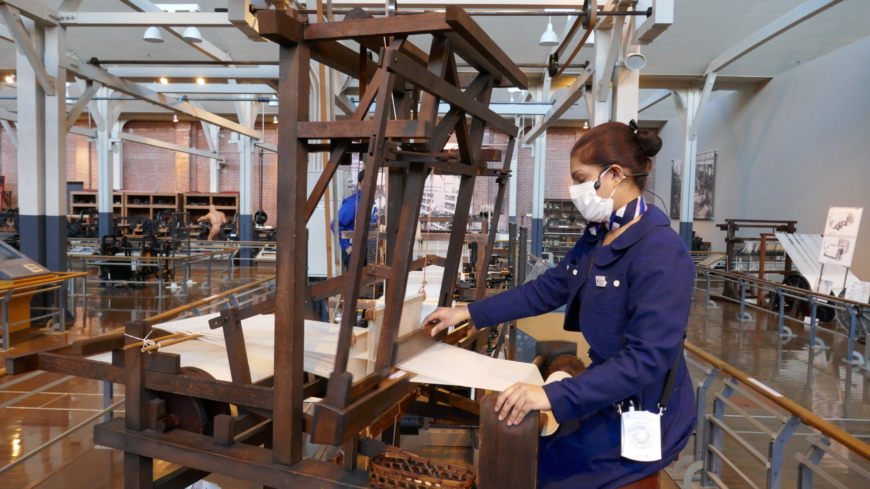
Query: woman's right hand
(445, 317)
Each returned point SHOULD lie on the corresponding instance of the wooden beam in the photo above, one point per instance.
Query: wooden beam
(401, 65)
(483, 48)
(281, 28)
(240, 460)
(402, 129)
(427, 23)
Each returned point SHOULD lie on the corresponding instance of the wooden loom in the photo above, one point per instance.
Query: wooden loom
(409, 144)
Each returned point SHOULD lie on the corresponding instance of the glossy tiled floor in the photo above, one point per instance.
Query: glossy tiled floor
(830, 388)
(27, 424)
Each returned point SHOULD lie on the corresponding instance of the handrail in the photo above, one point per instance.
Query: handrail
(159, 258)
(806, 416)
(43, 280)
(159, 318)
(740, 276)
(162, 317)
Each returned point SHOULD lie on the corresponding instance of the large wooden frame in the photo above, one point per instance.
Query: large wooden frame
(406, 140)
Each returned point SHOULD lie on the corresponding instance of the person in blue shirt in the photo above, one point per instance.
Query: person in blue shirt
(627, 285)
(347, 218)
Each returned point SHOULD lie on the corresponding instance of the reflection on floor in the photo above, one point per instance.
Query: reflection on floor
(831, 389)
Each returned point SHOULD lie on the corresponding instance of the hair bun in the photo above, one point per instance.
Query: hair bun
(650, 143)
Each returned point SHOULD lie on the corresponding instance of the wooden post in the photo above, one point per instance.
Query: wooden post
(292, 246)
(138, 470)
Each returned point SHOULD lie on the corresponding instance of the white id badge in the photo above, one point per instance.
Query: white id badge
(641, 436)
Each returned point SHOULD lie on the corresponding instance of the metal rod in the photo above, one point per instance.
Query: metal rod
(21, 379)
(496, 13)
(36, 391)
(59, 437)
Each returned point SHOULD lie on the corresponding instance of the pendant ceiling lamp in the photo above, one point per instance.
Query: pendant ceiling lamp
(152, 34)
(549, 38)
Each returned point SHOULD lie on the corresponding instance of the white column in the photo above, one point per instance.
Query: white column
(31, 151)
(686, 102)
(626, 92)
(600, 111)
(55, 151)
(540, 175)
(512, 189)
(105, 168)
(117, 155)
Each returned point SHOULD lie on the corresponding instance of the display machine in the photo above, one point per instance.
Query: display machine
(16, 270)
(265, 442)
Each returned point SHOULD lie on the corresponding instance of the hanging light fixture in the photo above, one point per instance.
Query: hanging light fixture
(191, 34)
(549, 38)
(10, 78)
(585, 124)
(200, 81)
(163, 80)
(152, 34)
(174, 117)
(275, 119)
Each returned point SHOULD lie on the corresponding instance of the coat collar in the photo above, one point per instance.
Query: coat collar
(651, 219)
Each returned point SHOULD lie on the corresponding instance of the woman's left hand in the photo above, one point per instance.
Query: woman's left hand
(517, 400)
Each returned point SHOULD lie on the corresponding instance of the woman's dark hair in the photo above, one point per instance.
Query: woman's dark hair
(614, 143)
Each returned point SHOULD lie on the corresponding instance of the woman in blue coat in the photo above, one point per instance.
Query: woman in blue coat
(627, 285)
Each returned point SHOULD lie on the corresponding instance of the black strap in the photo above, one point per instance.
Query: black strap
(672, 376)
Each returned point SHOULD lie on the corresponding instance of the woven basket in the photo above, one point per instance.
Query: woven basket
(406, 471)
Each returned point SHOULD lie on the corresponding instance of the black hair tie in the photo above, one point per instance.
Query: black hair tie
(632, 124)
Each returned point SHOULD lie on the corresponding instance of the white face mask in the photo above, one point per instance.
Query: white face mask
(593, 207)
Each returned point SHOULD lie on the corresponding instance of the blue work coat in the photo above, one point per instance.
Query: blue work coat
(347, 217)
(631, 300)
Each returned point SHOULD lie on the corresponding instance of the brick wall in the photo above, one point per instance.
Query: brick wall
(147, 168)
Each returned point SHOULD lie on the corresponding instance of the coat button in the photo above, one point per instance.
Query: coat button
(575, 272)
(616, 283)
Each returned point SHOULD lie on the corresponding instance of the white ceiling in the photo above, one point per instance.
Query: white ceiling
(702, 30)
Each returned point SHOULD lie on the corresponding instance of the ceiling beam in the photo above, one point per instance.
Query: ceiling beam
(91, 72)
(34, 10)
(88, 93)
(794, 17)
(566, 100)
(204, 47)
(83, 131)
(268, 72)
(12, 17)
(662, 18)
(219, 88)
(239, 14)
(10, 132)
(133, 138)
(144, 19)
(654, 99)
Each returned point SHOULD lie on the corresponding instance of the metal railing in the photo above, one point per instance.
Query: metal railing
(241, 296)
(214, 261)
(706, 463)
(814, 301)
(84, 247)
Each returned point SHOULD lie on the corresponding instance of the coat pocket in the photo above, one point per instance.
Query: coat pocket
(605, 294)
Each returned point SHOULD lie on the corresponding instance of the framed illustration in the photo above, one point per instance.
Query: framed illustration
(843, 221)
(705, 186)
(837, 251)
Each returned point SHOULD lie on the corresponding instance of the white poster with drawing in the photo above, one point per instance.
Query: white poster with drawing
(843, 222)
(841, 233)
